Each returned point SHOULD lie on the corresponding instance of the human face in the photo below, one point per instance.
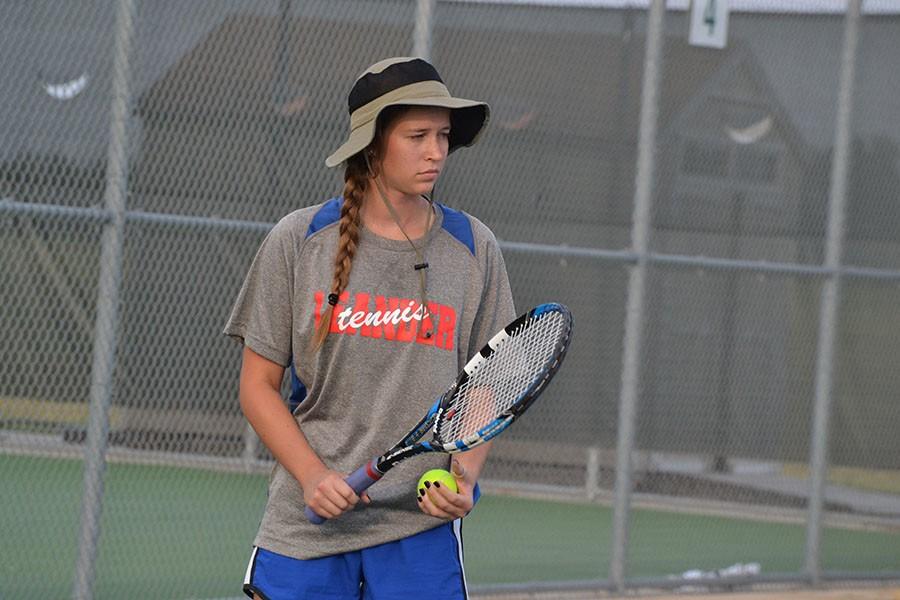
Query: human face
(415, 146)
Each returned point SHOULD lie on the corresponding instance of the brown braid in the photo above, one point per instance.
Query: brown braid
(355, 184)
(356, 181)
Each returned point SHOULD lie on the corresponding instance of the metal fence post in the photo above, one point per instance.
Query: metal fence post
(831, 296)
(423, 30)
(106, 325)
(634, 316)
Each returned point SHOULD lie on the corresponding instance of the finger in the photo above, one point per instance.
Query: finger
(457, 469)
(340, 498)
(344, 489)
(344, 502)
(443, 498)
(433, 490)
(447, 493)
(430, 510)
(427, 505)
(458, 504)
(326, 508)
(427, 496)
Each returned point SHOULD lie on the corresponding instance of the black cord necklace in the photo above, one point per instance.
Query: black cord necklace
(421, 265)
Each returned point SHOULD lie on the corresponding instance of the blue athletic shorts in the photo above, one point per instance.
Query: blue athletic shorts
(425, 565)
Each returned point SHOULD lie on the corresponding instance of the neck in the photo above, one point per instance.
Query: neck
(412, 211)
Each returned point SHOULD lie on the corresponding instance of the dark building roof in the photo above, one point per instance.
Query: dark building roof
(574, 83)
(278, 87)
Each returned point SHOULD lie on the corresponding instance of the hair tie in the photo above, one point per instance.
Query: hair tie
(333, 299)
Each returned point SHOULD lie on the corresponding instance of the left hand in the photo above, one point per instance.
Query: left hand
(443, 503)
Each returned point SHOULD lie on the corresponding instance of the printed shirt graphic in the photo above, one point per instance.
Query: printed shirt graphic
(392, 319)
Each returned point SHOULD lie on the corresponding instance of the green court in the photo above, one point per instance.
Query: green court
(185, 533)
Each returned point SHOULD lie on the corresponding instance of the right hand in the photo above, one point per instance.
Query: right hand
(328, 495)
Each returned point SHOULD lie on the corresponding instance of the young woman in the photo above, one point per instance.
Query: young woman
(374, 300)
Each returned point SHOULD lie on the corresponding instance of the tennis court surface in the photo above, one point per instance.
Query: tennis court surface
(855, 593)
(185, 533)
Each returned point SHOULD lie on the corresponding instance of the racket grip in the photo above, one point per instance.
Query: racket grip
(313, 516)
(359, 480)
(363, 477)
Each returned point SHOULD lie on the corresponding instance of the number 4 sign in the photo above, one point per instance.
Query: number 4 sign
(709, 23)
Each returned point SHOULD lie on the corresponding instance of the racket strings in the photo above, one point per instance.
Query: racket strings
(498, 382)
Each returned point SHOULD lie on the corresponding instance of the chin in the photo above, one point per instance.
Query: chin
(418, 190)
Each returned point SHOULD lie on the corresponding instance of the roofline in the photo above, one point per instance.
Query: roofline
(807, 7)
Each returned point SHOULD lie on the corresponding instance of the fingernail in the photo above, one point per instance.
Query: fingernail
(428, 484)
(437, 484)
(419, 498)
(421, 491)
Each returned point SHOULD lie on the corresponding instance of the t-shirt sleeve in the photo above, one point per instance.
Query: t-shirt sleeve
(262, 314)
(496, 309)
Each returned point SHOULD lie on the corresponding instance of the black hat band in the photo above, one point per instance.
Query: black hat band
(374, 85)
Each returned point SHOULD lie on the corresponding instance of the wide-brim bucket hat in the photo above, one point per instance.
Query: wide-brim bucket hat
(406, 81)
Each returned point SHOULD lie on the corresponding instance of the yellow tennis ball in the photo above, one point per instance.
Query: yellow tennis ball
(445, 478)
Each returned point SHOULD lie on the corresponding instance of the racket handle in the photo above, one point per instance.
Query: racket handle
(363, 477)
(359, 480)
(314, 517)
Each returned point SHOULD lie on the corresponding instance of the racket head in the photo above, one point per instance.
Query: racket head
(504, 378)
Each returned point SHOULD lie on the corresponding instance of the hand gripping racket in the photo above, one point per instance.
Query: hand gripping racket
(494, 388)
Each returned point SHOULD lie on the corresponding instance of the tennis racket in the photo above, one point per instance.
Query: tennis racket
(494, 388)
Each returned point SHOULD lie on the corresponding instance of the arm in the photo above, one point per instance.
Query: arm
(324, 490)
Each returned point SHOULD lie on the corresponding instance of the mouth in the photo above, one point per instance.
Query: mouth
(430, 173)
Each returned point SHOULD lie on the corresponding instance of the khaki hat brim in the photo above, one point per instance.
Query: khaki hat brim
(468, 119)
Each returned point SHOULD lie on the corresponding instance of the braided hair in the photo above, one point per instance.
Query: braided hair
(357, 174)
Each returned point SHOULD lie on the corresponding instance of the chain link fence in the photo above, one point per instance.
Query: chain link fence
(728, 411)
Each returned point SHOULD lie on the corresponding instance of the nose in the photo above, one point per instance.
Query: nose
(437, 148)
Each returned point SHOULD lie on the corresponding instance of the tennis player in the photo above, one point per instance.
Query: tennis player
(374, 300)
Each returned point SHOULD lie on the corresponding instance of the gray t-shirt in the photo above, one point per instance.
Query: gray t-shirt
(376, 375)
